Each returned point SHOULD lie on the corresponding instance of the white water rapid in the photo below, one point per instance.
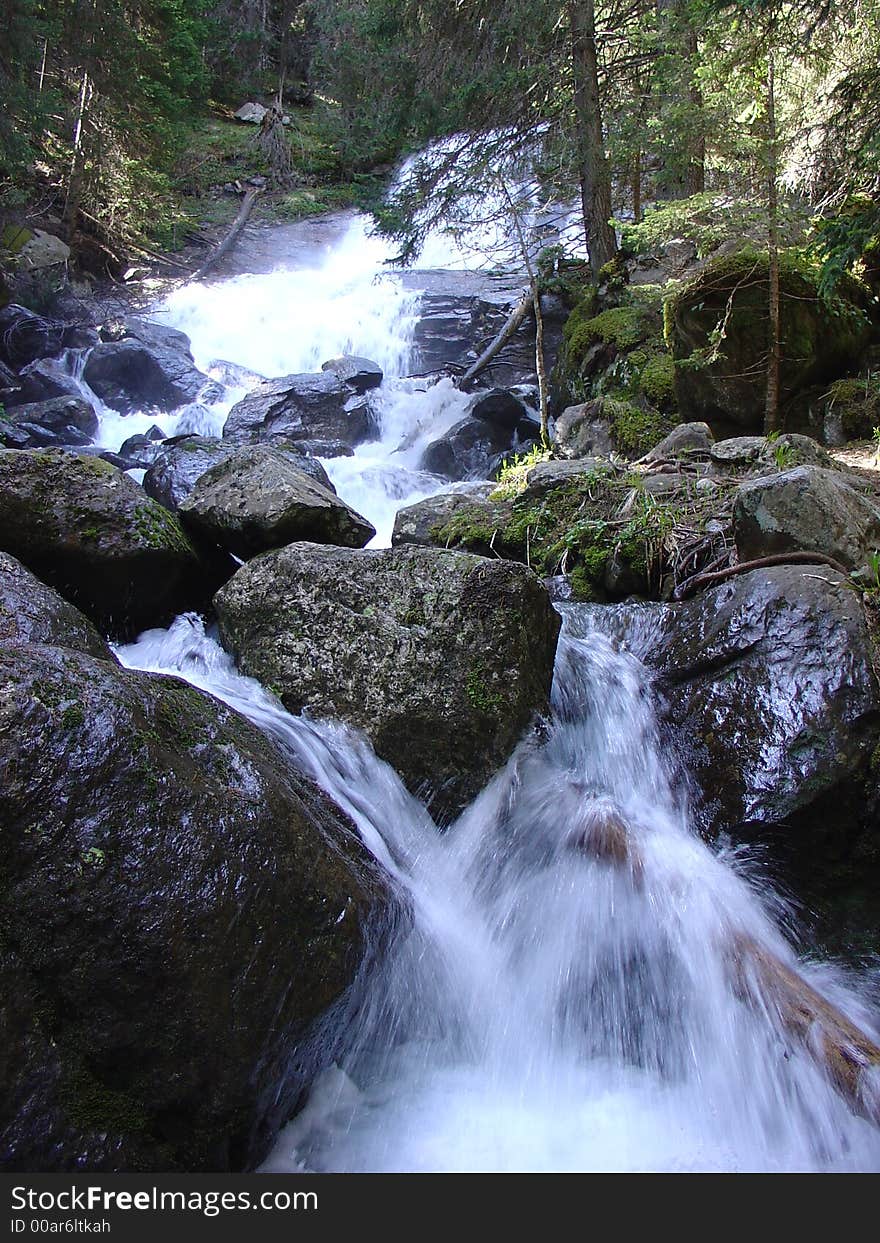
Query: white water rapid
(548, 1008)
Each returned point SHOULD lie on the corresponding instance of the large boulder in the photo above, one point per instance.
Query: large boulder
(302, 408)
(31, 612)
(685, 440)
(807, 509)
(92, 533)
(176, 908)
(583, 431)
(818, 342)
(472, 449)
(184, 460)
(258, 498)
(441, 658)
(153, 370)
(769, 689)
(58, 421)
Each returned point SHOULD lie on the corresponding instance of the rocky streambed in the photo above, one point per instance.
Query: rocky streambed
(183, 906)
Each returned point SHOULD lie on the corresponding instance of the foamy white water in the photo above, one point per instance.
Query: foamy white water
(550, 1009)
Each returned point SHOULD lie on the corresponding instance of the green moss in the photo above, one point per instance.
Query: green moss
(479, 694)
(91, 1106)
(73, 716)
(622, 326)
(160, 529)
(635, 429)
(855, 403)
(657, 379)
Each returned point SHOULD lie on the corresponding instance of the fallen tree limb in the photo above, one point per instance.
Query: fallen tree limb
(839, 1048)
(511, 324)
(229, 240)
(154, 254)
(691, 585)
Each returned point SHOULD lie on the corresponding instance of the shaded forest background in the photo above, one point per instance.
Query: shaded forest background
(115, 127)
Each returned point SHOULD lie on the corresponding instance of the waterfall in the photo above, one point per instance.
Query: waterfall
(552, 1008)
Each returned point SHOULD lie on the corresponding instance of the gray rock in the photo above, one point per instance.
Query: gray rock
(59, 421)
(179, 906)
(581, 431)
(258, 498)
(414, 524)
(685, 439)
(738, 450)
(251, 113)
(302, 408)
(542, 478)
(26, 336)
(43, 250)
(184, 460)
(442, 658)
(770, 691)
(41, 381)
(360, 373)
(31, 612)
(806, 509)
(89, 531)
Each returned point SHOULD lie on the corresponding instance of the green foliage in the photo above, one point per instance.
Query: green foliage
(513, 476)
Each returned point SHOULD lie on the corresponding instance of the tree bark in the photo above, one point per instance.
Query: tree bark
(593, 169)
(771, 408)
(226, 245)
(511, 324)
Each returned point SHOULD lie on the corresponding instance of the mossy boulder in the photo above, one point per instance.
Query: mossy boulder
(259, 498)
(441, 658)
(609, 424)
(717, 328)
(176, 908)
(851, 409)
(91, 532)
(31, 612)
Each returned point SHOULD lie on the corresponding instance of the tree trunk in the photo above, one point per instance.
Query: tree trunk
(593, 169)
(73, 197)
(695, 177)
(771, 409)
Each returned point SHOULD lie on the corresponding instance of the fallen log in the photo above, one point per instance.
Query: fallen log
(839, 1049)
(229, 240)
(511, 324)
(699, 581)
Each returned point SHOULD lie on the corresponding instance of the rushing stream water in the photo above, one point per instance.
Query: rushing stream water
(551, 1007)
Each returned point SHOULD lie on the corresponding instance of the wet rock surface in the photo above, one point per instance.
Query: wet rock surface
(177, 907)
(31, 612)
(305, 407)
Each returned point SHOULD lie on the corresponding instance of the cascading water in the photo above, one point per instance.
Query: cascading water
(563, 998)
(553, 1006)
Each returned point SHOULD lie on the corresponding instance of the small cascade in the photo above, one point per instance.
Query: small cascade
(564, 998)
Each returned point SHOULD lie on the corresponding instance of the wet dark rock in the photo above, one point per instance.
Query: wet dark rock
(442, 658)
(92, 533)
(806, 509)
(129, 375)
(59, 421)
(41, 381)
(418, 524)
(139, 452)
(31, 612)
(302, 408)
(468, 450)
(500, 407)
(769, 689)
(184, 460)
(258, 498)
(546, 476)
(178, 907)
(360, 373)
